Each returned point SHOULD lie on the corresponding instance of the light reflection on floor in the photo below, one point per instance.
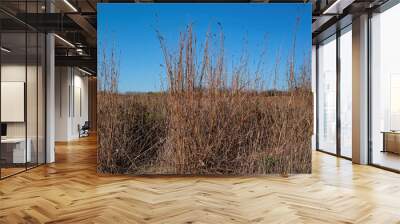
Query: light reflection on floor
(386, 159)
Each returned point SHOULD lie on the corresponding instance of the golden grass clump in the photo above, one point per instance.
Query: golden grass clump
(207, 121)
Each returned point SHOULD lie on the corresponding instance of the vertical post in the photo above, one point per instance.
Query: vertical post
(369, 53)
(338, 81)
(26, 87)
(37, 90)
(317, 97)
(360, 90)
(314, 91)
(0, 94)
(50, 92)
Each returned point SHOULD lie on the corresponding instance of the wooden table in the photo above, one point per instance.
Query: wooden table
(391, 141)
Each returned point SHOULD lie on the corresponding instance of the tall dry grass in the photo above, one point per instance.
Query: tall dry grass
(207, 121)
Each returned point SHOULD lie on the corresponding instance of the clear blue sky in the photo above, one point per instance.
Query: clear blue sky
(132, 28)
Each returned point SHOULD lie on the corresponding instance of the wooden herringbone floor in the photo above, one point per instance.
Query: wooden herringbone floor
(70, 191)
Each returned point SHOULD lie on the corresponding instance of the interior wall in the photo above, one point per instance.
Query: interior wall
(32, 126)
(62, 81)
(80, 109)
(16, 73)
(71, 102)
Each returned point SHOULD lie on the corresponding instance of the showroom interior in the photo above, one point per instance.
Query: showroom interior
(49, 66)
(45, 82)
(357, 86)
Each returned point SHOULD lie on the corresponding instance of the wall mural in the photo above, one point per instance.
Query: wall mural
(204, 89)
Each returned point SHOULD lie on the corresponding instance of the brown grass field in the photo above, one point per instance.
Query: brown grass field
(205, 123)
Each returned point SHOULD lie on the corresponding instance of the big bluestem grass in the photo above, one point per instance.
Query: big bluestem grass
(208, 120)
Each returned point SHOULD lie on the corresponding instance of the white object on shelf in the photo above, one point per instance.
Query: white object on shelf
(12, 101)
(19, 155)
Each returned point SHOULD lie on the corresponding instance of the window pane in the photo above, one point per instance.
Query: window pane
(31, 97)
(346, 92)
(327, 95)
(386, 88)
(314, 90)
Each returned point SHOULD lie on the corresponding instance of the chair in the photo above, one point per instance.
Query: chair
(84, 130)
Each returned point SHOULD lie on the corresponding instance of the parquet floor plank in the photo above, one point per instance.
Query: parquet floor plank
(70, 191)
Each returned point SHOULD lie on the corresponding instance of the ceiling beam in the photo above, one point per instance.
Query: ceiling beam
(77, 61)
(86, 26)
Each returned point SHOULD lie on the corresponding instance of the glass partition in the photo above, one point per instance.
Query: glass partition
(22, 88)
(327, 95)
(385, 89)
(14, 155)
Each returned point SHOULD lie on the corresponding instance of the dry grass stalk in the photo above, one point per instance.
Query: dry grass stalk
(206, 123)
